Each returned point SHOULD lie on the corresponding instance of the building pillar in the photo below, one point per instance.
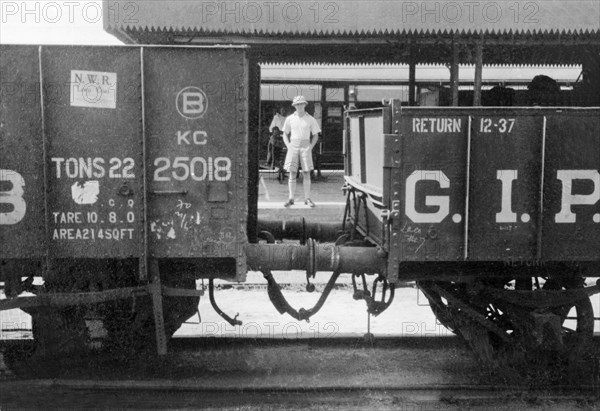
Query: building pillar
(591, 78)
(412, 78)
(454, 74)
(478, 72)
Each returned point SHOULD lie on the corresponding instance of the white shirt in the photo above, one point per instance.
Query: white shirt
(278, 121)
(301, 129)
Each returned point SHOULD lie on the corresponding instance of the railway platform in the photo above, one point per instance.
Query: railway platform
(326, 192)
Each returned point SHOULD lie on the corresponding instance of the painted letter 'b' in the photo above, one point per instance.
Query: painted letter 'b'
(14, 197)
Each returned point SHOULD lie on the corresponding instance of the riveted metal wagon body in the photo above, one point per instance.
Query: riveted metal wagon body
(97, 164)
(509, 186)
(118, 163)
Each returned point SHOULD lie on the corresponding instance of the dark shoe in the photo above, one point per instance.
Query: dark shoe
(309, 202)
(289, 203)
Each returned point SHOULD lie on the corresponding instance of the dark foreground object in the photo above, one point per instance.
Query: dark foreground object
(349, 373)
(435, 398)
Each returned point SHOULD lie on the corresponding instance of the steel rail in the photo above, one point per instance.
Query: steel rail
(555, 392)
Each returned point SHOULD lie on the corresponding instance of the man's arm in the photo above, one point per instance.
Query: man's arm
(315, 131)
(314, 140)
(273, 124)
(287, 132)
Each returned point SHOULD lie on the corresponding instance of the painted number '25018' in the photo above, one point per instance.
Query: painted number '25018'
(196, 168)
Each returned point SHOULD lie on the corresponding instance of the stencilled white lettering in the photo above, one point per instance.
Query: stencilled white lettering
(442, 202)
(196, 168)
(93, 168)
(112, 224)
(14, 197)
(436, 125)
(197, 137)
(566, 214)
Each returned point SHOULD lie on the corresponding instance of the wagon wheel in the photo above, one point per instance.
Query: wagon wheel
(577, 319)
(130, 323)
(449, 301)
(498, 328)
(558, 328)
(59, 331)
(440, 307)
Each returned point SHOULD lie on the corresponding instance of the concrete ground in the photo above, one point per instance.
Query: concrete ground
(325, 192)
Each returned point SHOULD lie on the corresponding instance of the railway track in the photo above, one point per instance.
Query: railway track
(340, 373)
(177, 395)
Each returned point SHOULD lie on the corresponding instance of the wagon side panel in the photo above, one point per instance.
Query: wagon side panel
(433, 151)
(94, 139)
(571, 228)
(22, 222)
(506, 184)
(197, 154)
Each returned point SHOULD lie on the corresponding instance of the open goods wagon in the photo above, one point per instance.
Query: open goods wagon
(495, 212)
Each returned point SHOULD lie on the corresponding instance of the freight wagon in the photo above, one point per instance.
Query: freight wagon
(125, 178)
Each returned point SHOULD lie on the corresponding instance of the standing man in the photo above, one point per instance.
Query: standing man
(278, 120)
(275, 146)
(300, 135)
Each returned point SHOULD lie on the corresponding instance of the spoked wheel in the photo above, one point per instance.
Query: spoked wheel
(576, 319)
(543, 314)
(441, 308)
(517, 319)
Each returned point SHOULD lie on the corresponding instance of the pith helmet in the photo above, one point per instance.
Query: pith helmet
(299, 100)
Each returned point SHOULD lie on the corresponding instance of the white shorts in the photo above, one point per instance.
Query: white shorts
(297, 156)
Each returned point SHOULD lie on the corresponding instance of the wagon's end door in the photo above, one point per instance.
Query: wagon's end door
(196, 136)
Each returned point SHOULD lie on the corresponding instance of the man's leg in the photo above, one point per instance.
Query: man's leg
(291, 165)
(306, 184)
(292, 182)
(307, 166)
